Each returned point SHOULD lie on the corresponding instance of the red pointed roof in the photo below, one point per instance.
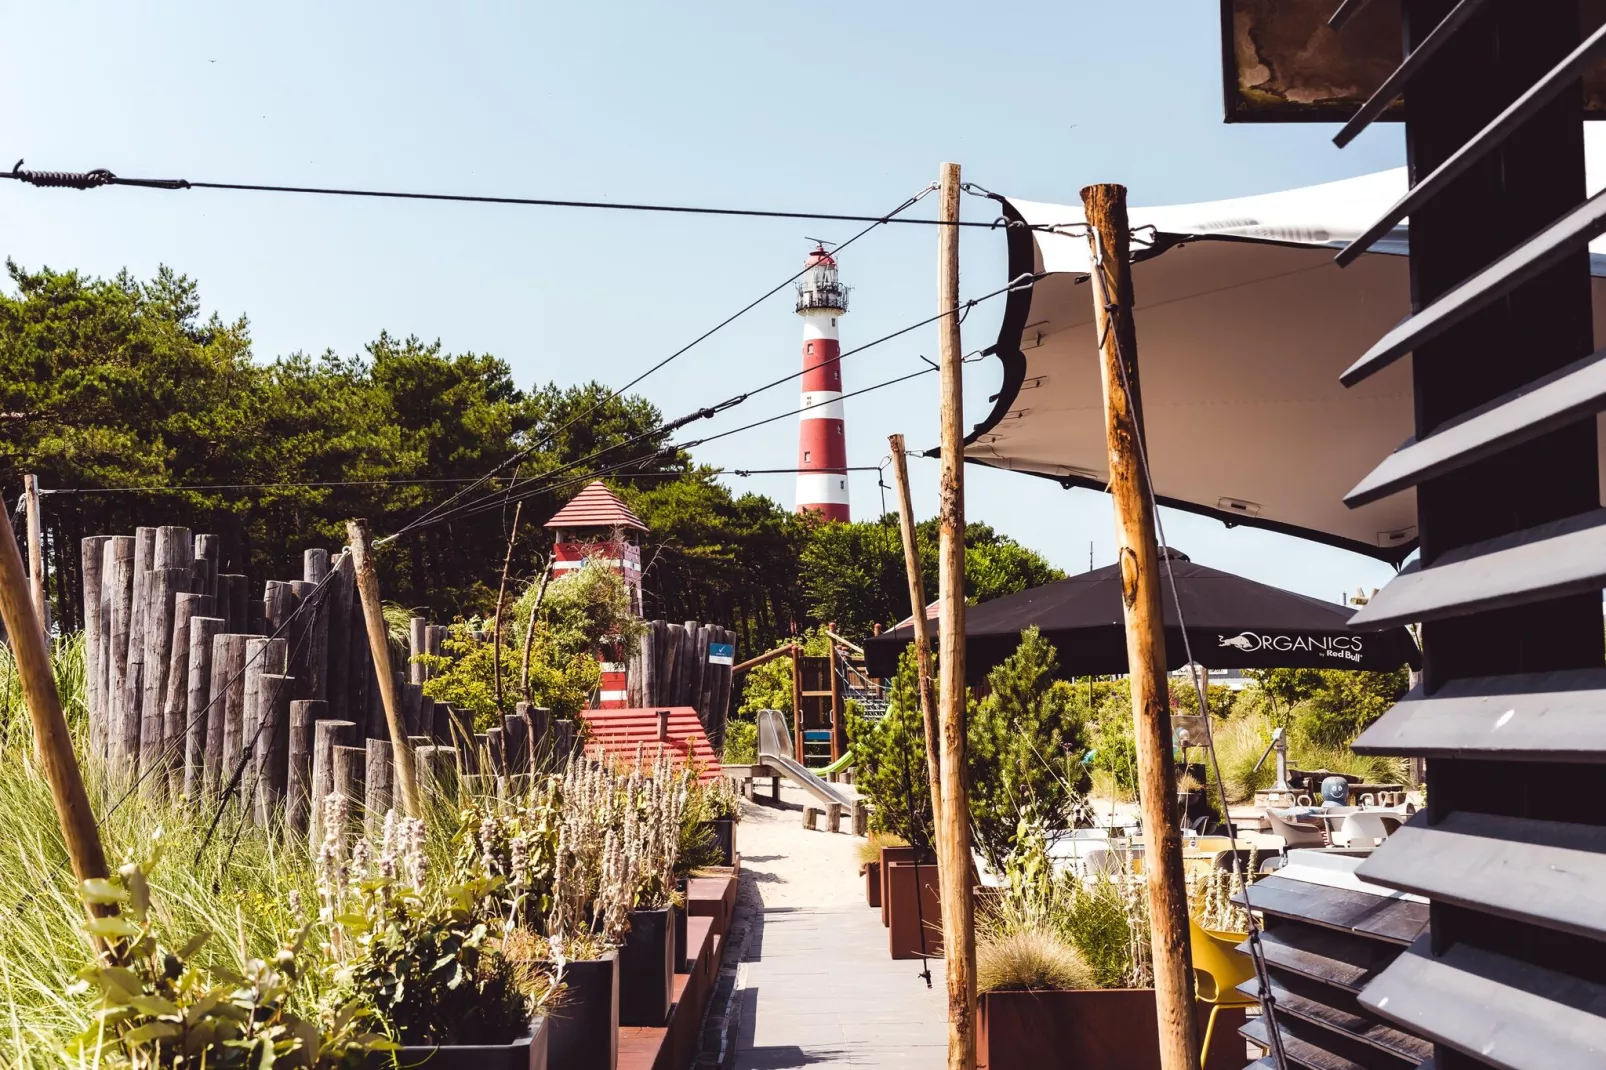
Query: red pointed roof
(618, 734)
(596, 507)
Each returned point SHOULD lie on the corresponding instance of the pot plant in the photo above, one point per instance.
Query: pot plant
(426, 961)
(869, 854)
(719, 811)
(648, 853)
(1063, 971)
(154, 1004)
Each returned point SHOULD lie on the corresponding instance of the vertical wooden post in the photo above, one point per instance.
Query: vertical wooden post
(327, 736)
(379, 647)
(836, 702)
(378, 790)
(797, 704)
(1139, 556)
(501, 593)
(52, 741)
(917, 606)
(953, 834)
(304, 717)
(417, 643)
(225, 713)
(273, 749)
(36, 557)
(199, 708)
(92, 551)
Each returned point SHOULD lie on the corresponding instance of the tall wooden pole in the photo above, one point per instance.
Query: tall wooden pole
(1139, 556)
(379, 646)
(36, 556)
(953, 831)
(917, 606)
(501, 593)
(52, 741)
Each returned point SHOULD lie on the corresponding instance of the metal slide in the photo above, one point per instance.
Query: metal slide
(775, 751)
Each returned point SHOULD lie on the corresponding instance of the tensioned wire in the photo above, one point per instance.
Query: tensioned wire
(473, 507)
(722, 324)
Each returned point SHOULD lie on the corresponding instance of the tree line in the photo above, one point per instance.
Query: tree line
(135, 409)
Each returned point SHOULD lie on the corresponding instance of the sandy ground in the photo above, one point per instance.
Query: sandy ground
(792, 866)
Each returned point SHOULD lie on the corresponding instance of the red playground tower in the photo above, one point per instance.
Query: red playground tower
(822, 452)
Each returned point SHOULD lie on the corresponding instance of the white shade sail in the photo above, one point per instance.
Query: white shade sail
(1243, 324)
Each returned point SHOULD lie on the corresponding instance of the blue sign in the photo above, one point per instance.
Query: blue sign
(721, 654)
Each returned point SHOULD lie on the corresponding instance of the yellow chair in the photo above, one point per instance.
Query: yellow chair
(1218, 969)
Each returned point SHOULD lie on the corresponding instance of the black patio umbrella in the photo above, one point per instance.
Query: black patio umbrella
(1233, 623)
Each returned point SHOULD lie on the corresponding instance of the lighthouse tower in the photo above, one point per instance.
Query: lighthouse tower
(822, 451)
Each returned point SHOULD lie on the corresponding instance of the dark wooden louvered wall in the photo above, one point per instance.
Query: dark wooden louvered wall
(1322, 945)
(1511, 712)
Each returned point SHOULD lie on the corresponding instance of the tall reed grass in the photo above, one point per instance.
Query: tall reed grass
(239, 889)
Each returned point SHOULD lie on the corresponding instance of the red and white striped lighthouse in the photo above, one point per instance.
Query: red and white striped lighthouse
(822, 451)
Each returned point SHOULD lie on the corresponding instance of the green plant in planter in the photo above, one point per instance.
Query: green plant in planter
(890, 760)
(516, 842)
(155, 1006)
(423, 962)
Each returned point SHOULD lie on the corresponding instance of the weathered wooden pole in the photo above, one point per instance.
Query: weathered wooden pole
(501, 593)
(917, 606)
(273, 749)
(92, 556)
(327, 736)
(1139, 556)
(797, 702)
(378, 787)
(36, 557)
(953, 830)
(225, 711)
(199, 709)
(379, 647)
(52, 741)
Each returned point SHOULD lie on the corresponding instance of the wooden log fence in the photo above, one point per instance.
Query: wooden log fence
(187, 681)
(670, 667)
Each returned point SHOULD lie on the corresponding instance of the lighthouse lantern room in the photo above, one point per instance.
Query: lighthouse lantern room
(822, 451)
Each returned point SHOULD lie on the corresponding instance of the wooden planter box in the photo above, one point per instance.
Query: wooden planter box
(1090, 1029)
(529, 1053)
(583, 1027)
(647, 969)
(872, 883)
(892, 854)
(911, 900)
(724, 829)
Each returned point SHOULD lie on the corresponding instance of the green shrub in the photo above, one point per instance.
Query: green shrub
(890, 761)
(741, 742)
(1026, 741)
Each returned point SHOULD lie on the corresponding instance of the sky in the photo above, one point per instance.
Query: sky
(836, 108)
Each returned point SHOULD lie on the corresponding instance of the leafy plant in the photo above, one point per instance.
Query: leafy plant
(890, 761)
(741, 742)
(422, 961)
(154, 1005)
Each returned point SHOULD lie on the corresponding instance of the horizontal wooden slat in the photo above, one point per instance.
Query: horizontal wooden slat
(1574, 392)
(1502, 1012)
(1397, 921)
(1502, 126)
(1310, 1046)
(1532, 717)
(1547, 873)
(1539, 563)
(1395, 83)
(1342, 1017)
(1338, 959)
(1566, 235)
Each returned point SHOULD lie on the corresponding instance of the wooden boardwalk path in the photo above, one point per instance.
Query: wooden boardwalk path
(816, 986)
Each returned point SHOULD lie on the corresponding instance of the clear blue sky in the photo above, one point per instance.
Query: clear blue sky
(835, 107)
